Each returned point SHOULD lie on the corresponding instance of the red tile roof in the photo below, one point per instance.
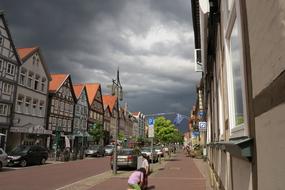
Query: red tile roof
(26, 52)
(92, 89)
(110, 101)
(56, 81)
(78, 89)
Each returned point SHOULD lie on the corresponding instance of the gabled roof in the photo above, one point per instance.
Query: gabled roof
(10, 37)
(106, 107)
(24, 53)
(92, 89)
(78, 88)
(57, 81)
(110, 100)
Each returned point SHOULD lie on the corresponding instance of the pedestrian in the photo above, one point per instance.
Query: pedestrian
(145, 165)
(135, 180)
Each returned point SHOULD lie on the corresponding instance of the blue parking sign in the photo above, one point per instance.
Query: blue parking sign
(150, 121)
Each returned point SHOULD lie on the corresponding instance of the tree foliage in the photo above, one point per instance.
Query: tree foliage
(165, 131)
(97, 132)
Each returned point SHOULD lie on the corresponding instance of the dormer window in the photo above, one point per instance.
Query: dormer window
(30, 79)
(36, 84)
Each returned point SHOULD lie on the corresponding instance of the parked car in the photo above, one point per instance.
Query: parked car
(153, 156)
(95, 150)
(126, 158)
(3, 158)
(26, 155)
(109, 149)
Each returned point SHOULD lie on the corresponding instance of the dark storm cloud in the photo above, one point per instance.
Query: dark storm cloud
(150, 40)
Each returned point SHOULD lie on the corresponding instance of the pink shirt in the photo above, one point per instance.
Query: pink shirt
(135, 177)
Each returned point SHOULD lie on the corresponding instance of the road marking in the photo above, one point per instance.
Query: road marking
(89, 181)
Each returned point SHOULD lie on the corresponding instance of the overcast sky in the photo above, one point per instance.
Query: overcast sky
(151, 41)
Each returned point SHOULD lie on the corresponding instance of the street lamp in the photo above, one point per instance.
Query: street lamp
(117, 90)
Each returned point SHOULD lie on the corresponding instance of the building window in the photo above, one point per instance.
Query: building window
(30, 79)
(10, 69)
(41, 107)
(43, 84)
(20, 102)
(1, 64)
(22, 78)
(36, 84)
(35, 105)
(3, 109)
(7, 88)
(235, 73)
(28, 105)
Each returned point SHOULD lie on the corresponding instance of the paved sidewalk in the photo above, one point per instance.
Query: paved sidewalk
(178, 173)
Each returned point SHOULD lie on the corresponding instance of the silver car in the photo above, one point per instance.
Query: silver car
(3, 158)
(109, 149)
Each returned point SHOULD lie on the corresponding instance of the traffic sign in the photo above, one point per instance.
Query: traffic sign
(202, 125)
(201, 113)
(151, 121)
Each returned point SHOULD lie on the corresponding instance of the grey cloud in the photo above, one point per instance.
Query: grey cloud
(91, 38)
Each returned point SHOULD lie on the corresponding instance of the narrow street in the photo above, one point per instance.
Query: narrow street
(52, 176)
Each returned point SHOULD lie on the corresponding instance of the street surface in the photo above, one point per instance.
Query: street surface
(52, 176)
(180, 172)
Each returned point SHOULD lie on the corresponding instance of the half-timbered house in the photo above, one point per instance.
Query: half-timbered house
(111, 101)
(96, 108)
(9, 66)
(61, 106)
(80, 118)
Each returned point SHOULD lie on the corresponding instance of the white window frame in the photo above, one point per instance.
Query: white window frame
(28, 102)
(20, 103)
(30, 78)
(23, 73)
(3, 109)
(35, 106)
(7, 88)
(10, 69)
(235, 16)
(41, 108)
(43, 82)
(37, 81)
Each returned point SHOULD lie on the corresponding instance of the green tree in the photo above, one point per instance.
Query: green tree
(121, 136)
(97, 132)
(165, 131)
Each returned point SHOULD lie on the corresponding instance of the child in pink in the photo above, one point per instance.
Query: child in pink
(136, 179)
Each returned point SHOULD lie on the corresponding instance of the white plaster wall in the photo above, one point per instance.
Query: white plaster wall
(270, 133)
(266, 24)
(241, 174)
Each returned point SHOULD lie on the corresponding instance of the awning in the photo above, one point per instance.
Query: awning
(31, 129)
(241, 147)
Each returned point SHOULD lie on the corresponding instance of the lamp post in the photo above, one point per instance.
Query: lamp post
(117, 90)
